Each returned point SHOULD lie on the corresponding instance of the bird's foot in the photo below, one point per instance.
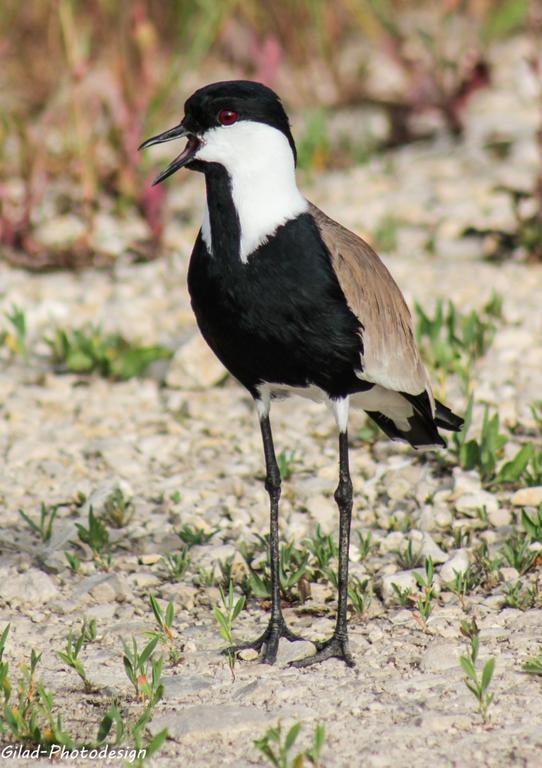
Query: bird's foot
(268, 642)
(334, 648)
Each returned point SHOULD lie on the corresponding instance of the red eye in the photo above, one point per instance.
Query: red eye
(227, 117)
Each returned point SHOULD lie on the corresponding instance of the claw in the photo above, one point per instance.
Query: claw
(334, 648)
(270, 639)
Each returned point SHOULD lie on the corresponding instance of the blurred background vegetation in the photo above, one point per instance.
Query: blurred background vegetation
(83, 82)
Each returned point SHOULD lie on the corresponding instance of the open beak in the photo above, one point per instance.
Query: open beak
(178, 132)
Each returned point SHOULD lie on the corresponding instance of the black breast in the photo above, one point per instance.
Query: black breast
(282, 317)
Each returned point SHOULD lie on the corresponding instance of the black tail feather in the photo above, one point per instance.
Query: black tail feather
(421, 432)
(447, 419)
(423, 425)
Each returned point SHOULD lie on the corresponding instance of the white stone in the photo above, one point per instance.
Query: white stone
(440, 656)
(393, 542)
(509, 574)
(528, 497)
(500, 517)
(459, 563)
(323, 511)
(33, 587)
(194, 366)
(422, 542)
(103, 494)
(470, 502)
(403, 579)
(466, 482)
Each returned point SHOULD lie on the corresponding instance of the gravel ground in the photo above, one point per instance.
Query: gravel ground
(184, 444)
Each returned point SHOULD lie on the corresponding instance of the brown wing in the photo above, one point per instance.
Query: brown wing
(390, 355)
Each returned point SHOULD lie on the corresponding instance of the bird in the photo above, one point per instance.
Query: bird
(291, 302)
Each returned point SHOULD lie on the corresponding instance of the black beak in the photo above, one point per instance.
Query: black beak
(178, 132)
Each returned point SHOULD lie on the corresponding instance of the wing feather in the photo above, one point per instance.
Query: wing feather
(390, 355)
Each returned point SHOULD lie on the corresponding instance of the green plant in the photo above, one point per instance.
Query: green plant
(28, 716)
(286, 461)
(360, 592)
(404, 596)
(27, 709)
(70, 655)
(146, 749)
(293, 566)
(225, 616)
(277, 747)
(385, 235)
(111, 718)
(464, 582)
(408, 559)
(451, 342)
(144, 671)
(369, 433)
(512, 470)
(485, 568)
(425, 585)
(461, 537)
(90, 350)
(364, 544)
(118, 510)
(195, 536)
(525, 466)
(484, 454)
(517, 553)
(205, 577)
(16, 339)
(533, 525)
(96, 536)
(322, 547)
(536, 412)
(44, 527)
(313, 146)
(176, 564)
(516, 596)
(5, 685)
(533, 666)
(226, 570)
(73, 561)
(477, 684)
(165, 634)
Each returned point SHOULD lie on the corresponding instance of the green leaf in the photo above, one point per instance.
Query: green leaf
(291, 736)
(156, 610)
(469, 455)
(505, 17)
(534, 531)
(156, 742)
(79, 362)
(468, 667)
(514, 469)
(147, 651)
(487, 673)
(319, 739)
(225, 629)
(238, 608)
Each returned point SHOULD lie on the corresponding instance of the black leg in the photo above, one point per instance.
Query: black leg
(337, 645)
(276, 628)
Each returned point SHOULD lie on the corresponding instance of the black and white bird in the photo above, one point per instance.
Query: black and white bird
(292, 302)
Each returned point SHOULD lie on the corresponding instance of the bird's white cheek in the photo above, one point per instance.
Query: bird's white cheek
(214, 150)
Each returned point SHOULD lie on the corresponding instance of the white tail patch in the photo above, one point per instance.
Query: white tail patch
(260, 164)
(391, 404)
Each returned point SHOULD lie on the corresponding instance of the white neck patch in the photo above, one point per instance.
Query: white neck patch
(260, 164)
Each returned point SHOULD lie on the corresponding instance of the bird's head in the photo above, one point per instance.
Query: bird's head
(235, 124)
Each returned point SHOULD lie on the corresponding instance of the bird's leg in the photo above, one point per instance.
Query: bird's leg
(276, 628)
(337, 645)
